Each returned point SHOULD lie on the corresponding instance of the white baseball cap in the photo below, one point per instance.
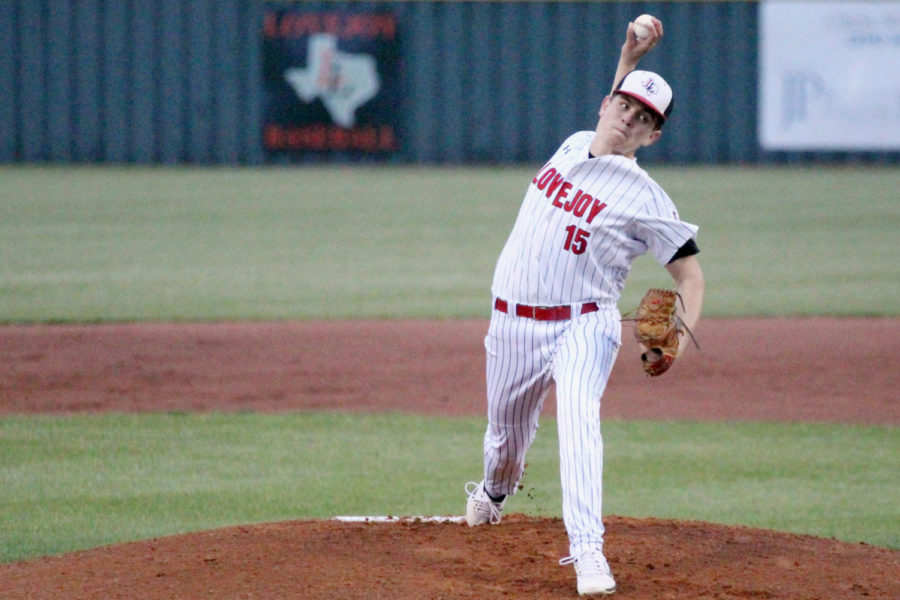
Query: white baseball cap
(651, 89)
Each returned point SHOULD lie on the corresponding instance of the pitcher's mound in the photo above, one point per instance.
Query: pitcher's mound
(652, 559)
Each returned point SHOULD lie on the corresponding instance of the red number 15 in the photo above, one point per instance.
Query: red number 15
(576, 239)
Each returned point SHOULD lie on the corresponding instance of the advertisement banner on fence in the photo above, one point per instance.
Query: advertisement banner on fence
(332, 81)
(829, 75)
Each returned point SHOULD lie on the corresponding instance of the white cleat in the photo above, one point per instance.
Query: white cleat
(592, 570)
(480, 509)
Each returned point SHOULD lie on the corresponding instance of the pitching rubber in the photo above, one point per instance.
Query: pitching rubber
(389, 519)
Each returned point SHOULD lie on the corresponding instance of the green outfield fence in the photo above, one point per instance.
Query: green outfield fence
(176, 81)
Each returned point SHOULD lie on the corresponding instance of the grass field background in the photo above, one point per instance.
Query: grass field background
(144, 244)
(101, 244)
(84, 481)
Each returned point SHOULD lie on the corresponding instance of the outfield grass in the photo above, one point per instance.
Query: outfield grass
(84, 481)
(124, 244)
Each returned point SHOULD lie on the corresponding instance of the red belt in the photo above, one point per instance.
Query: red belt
(544, 313)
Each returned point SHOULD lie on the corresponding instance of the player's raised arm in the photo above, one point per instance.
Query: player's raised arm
(635, 48)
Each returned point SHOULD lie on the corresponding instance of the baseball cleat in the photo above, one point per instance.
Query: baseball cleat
(592, 570)
(480, 509)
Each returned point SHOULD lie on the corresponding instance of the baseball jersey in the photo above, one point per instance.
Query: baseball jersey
(582, 224)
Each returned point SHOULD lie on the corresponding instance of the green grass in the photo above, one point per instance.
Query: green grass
(84, 481)
(132, 244)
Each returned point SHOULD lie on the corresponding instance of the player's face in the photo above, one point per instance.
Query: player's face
(626, 124)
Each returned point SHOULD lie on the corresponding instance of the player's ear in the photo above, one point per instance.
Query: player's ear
(604, 104)
(655, 135)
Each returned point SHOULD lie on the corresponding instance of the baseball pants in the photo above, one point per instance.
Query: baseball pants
(524, 357)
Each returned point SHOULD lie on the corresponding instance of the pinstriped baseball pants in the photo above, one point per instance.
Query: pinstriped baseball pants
(524, 357)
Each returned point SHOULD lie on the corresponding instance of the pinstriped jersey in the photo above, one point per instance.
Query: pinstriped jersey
(581, 225)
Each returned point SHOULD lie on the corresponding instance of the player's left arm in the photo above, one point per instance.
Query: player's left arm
(689, 281)
(634, 49)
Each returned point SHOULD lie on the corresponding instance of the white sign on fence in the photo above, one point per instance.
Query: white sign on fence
(829, 75)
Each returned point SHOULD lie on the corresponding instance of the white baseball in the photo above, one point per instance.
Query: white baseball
(643, 27)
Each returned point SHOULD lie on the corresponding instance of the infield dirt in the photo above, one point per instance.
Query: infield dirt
(775, 369)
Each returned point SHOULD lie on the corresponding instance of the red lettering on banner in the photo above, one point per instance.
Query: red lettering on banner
(370, 26)
(331, 23)
(270, 24)
(386, 137)
(296, 25)
(330, 137)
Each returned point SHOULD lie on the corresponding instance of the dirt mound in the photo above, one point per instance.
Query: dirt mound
(651, 559)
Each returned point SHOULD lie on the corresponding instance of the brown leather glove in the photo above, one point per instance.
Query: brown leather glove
(657, 329)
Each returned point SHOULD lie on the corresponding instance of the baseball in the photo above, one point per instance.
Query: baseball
(643, 27)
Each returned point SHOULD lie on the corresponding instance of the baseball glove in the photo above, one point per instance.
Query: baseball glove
(658, 328)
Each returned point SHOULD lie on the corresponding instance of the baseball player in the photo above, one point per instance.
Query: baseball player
(586, 215)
